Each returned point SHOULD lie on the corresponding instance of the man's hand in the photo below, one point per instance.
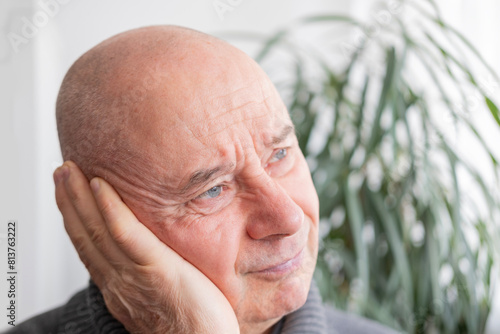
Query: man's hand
(146, 285)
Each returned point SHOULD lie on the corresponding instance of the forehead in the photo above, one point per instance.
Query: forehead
(194, 129)
(255, 105)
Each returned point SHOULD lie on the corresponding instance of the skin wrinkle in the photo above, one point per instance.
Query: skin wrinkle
(214, 120)
(265, 98)
(131, 188)
(206, 175)
(258, 194)
(156, 202)
(225, 128)
(238, 90)
(214, 123)
(155, 195)
(211, 105)
(202, 177)
(198, 137)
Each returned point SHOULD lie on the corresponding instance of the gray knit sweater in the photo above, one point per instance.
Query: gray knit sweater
(86, 313)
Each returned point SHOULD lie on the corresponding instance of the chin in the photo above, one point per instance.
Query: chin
(279, 300)
(291, 293)
(291, 296)
(269, 301)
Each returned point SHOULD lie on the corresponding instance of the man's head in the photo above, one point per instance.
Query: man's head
(197, 142)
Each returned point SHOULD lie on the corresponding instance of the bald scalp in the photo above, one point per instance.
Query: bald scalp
(108, 84)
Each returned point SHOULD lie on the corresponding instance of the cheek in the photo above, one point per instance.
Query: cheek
(209, 243)
(300, 188)
(305, 195)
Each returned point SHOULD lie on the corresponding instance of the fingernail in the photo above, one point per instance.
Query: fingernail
(61, 174)
(94, 184)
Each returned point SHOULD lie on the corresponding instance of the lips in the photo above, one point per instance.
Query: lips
(282, 268)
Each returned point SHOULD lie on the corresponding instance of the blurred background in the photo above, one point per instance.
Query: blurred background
(39, 40)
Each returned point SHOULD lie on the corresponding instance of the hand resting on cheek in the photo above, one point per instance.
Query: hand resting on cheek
(146, 285)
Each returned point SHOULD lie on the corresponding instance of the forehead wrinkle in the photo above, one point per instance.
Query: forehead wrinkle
(217, 125)
(207, 119)
(238, 98)
(202, 177)
(229, 111)
(265, 86)
(242, 89)
(157, 195)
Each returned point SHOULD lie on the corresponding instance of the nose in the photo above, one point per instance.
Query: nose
(273, 212)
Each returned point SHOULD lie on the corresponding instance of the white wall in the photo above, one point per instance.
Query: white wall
(49, 269)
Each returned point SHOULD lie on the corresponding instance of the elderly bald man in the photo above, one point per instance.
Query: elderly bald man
(201, 216)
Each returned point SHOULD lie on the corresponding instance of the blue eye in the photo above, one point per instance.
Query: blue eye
(280, 154)
(212, 192)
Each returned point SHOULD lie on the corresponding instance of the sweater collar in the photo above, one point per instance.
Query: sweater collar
(310, 318)
(103, 321)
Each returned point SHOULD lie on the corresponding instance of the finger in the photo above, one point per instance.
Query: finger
(136, 240)
(88, 253)
(83, 202)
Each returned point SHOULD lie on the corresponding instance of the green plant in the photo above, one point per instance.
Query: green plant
(402, 241)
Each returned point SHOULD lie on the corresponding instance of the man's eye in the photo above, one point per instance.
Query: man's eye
(211, 193)
(280, 154)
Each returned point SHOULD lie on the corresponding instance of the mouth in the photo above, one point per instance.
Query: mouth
(282, 269)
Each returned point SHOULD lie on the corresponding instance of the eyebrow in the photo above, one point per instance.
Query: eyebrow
(203, 176)
(287, 130)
